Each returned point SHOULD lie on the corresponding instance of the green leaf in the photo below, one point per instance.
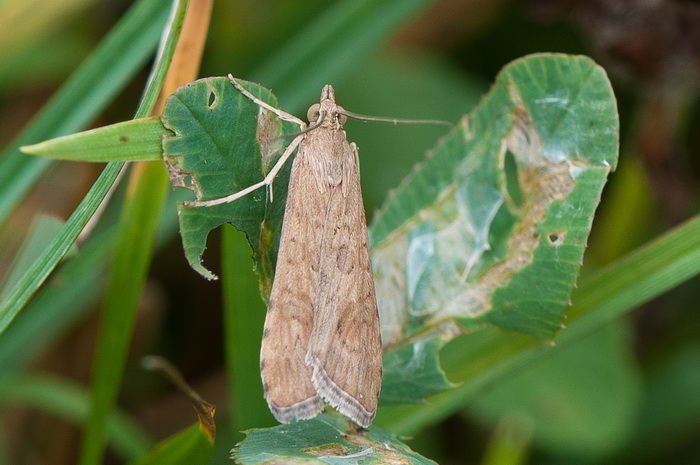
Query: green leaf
(327, 439)
(420, 359)
(135, 140)
(190, 446)
(493, 226)
(222, 147)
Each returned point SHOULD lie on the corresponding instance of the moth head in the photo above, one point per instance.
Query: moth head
(332, 114)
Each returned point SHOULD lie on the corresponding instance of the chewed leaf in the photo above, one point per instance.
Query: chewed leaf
(492, 227)
(223, 143)
(327, 439)
(420, 360)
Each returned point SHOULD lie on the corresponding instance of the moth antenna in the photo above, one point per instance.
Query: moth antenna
(379, 119)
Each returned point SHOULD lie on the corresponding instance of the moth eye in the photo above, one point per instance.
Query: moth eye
(313, 114)
(340, 116)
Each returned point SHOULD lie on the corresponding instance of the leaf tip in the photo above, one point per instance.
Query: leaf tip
(33, 149)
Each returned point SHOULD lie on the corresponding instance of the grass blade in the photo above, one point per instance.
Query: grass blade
(19, 295)
(86, 93)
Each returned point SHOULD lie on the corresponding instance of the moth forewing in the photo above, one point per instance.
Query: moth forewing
(289, 320)
(345, 347)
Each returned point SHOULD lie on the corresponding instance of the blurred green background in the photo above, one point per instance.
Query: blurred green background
(628, 394)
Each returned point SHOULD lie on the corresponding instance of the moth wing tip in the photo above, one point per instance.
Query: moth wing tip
(303, 410)
(336, 397)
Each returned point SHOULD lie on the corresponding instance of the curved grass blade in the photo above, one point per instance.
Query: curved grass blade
(86, 93)
(17, 296)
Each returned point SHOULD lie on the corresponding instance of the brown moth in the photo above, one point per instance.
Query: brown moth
(321, 343)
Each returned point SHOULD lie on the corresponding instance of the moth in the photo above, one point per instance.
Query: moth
(321, 341)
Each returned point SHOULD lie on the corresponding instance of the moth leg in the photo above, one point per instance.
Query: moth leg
(265, 182)
(283, 115)
(269, 178)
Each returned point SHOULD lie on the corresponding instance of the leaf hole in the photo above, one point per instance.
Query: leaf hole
(212, 99)
(556, 238)
(510, 169)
